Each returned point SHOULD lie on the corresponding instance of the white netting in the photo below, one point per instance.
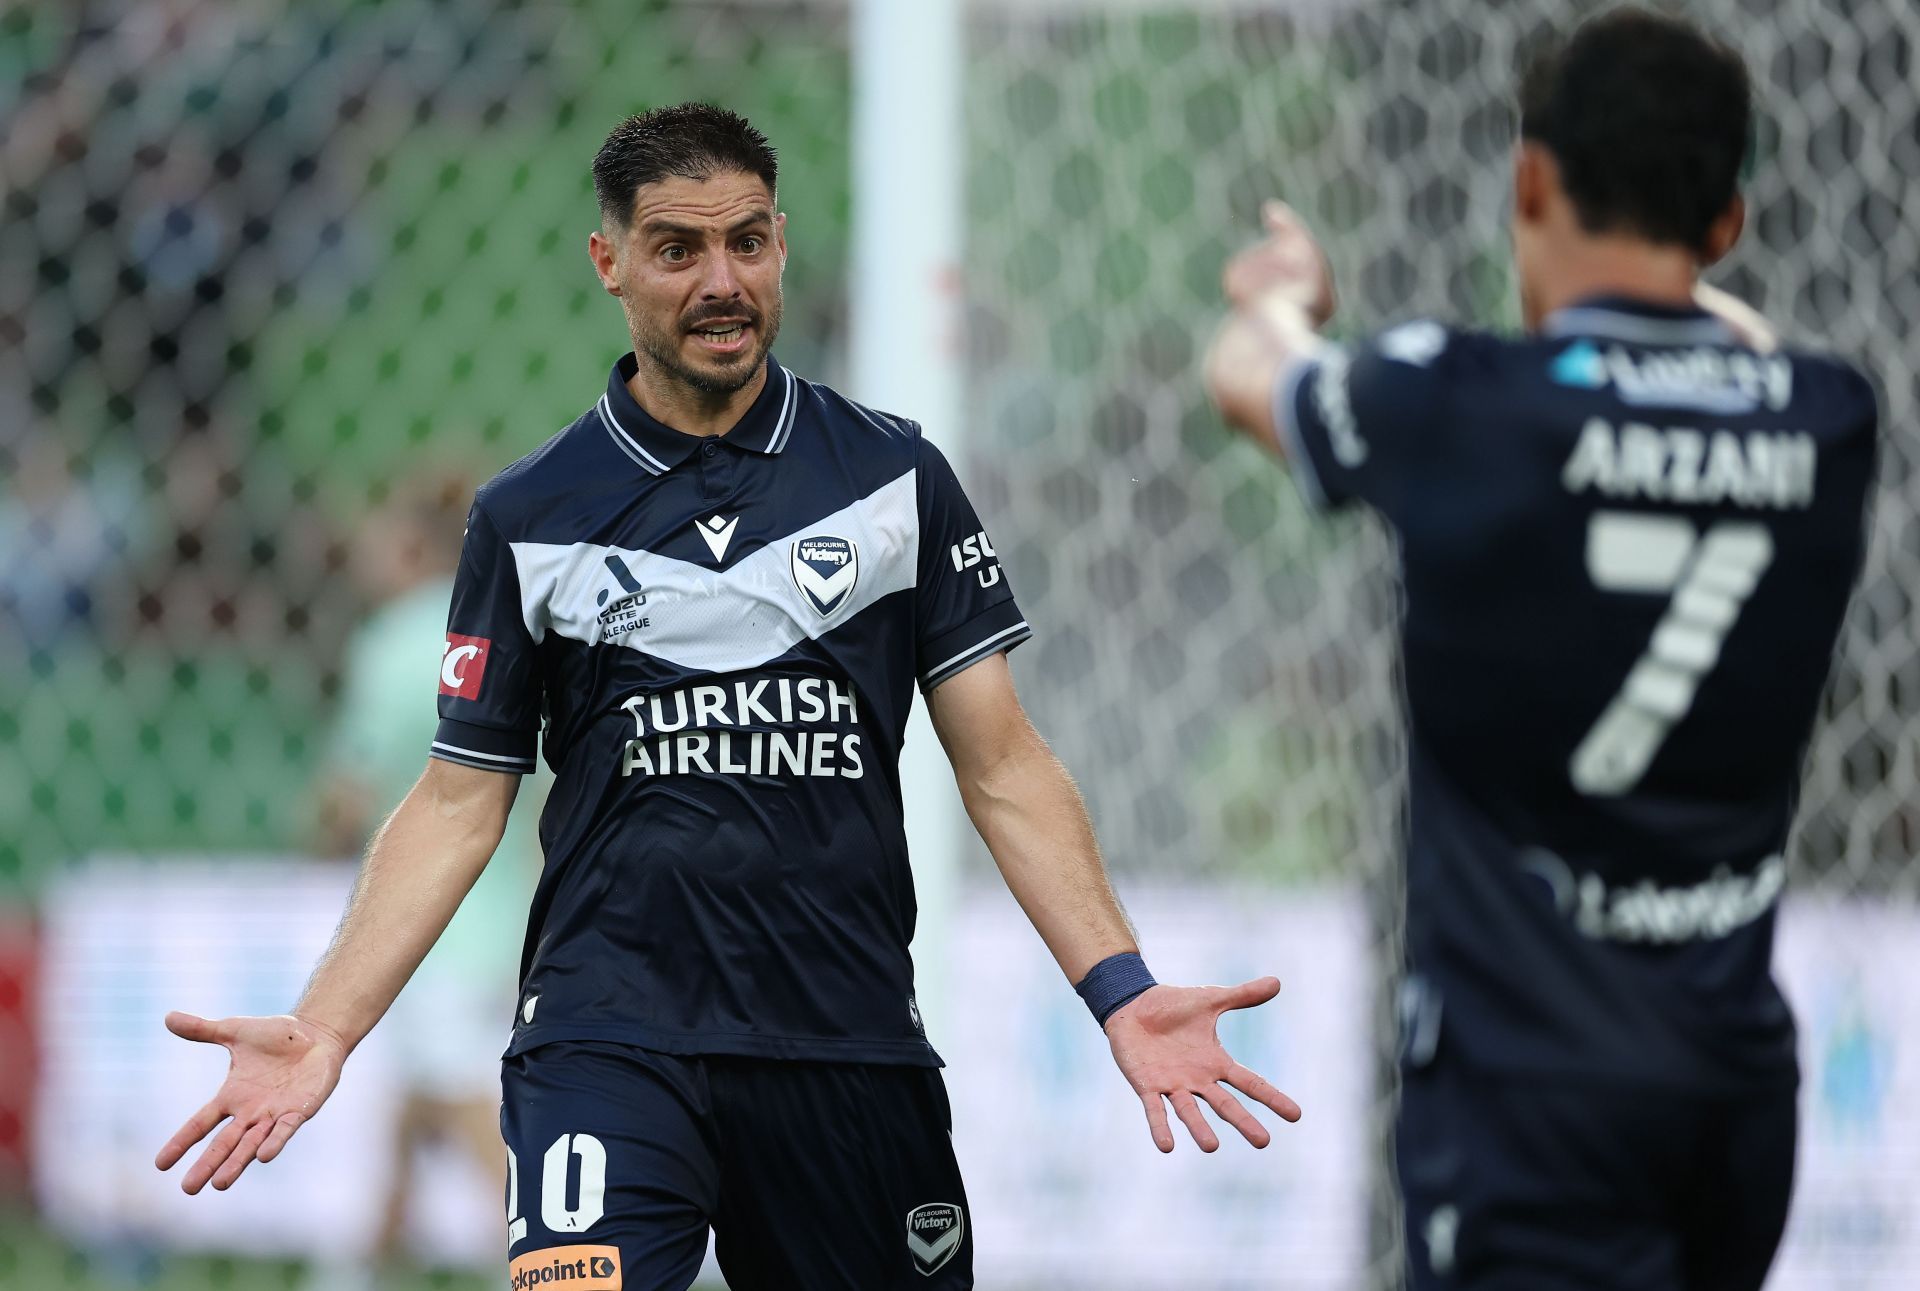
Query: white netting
(1215, 665)
(266, 267)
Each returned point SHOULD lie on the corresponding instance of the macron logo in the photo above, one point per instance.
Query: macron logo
(718, 534)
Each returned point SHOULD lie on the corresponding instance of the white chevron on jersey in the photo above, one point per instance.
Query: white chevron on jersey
(723, 620)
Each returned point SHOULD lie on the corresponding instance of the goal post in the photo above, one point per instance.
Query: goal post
(905, 347)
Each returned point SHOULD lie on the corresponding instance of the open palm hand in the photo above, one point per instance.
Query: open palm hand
(283, 1068)
(1166, 1043)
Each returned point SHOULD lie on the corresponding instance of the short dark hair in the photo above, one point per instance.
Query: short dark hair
(1649, 119)
(688, 140)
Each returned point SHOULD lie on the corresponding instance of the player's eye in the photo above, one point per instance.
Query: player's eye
(673, 254)
(750, 245)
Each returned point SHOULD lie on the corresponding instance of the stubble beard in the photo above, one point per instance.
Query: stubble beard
(663, 349)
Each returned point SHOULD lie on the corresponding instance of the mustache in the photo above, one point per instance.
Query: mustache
(720, 309)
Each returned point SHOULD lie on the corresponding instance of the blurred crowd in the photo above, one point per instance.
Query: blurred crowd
(176, 174)
(265, 268)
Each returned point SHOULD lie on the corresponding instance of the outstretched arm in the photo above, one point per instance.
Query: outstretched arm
(1033, 821)
(418, 869)
(1281, 294)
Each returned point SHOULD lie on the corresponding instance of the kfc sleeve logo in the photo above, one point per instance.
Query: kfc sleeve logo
(462, 666)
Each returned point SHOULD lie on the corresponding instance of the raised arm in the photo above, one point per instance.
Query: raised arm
(417, 870)
(1746, 322)
(1034, 823)
(1282, 293)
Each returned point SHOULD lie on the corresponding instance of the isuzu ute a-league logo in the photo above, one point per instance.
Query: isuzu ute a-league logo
(825, 569)
(933, 1234)
(624, 613)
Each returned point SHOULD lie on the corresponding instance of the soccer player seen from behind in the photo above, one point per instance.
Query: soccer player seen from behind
(1626, 541)
(708, 602)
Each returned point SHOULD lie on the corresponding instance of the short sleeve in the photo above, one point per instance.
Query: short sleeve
(965, 610)
(1352, 419)
(489, 667)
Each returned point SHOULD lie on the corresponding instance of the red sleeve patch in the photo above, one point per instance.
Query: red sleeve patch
(463, 665)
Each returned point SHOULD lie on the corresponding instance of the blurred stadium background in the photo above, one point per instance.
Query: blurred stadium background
(267, 265)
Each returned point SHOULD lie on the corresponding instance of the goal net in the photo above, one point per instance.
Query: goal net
(1215, 665)
(265, 268)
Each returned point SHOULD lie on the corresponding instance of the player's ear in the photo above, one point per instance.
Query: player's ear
(600, 251)
(1535, 176)
(780, 234)
(1724, 231)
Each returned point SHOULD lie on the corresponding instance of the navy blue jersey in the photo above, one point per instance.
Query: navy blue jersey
(715, 642)
(1627, 546)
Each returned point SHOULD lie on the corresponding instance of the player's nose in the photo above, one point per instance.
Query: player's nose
(722, 283)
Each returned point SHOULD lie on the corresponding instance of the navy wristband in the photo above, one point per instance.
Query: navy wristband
(1112, 982)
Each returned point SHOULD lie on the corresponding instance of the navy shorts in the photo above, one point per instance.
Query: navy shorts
(1527, 1184)
(810, 1174)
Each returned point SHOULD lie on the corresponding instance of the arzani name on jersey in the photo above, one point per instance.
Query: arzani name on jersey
(1752, 469)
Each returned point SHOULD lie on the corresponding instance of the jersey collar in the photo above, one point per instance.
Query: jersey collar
(657, 447)
(1621, 318)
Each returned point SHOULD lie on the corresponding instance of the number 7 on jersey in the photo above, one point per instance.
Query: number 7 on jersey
(1710, 576)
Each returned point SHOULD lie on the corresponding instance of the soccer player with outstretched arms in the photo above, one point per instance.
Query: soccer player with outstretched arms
(1627, 540)
(707, 603)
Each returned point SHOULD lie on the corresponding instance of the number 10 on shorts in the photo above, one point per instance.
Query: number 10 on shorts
(555, 1214)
